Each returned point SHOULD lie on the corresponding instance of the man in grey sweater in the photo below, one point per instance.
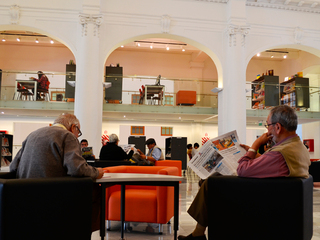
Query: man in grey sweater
(55, 152)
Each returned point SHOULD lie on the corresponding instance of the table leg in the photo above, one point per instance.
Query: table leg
(176, 209)
(103, 212)
(123, 204)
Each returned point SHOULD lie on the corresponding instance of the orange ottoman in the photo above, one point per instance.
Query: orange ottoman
(186, 98)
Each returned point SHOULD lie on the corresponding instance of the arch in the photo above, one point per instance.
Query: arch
(200, 46)
(40, 31)
(305, 48)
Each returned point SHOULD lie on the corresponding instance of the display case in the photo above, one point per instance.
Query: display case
(6, 149)
(114, 76)
(295, 93)
(265, 92)
(139, 142)
(176, 149)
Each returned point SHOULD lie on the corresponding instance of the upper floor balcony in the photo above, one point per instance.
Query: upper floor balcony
(155, 98)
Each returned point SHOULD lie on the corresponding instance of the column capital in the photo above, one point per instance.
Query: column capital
(86, 19)
(233, 30)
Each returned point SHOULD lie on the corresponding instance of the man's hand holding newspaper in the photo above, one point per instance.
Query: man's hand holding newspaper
(219, 154)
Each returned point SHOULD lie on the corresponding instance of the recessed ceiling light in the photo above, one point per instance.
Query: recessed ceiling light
(18, 39)
(285, 56)
(52, 42)
(37, 41)
(258, 54)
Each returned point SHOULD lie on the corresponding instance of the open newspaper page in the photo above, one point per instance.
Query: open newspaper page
(219, 154)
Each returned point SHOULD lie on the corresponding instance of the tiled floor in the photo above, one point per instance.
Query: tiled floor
(188, 189)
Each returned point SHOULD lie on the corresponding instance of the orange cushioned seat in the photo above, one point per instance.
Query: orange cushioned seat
(151, 204)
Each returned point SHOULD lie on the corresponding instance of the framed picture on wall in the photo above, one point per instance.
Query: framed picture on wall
(309, 143)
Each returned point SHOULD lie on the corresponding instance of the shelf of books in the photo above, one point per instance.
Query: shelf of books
(295, 93)
(265, 92)
(6, 149)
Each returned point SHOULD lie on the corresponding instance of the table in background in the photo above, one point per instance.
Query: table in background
(151, 91)
(124, 179)
(28, 88)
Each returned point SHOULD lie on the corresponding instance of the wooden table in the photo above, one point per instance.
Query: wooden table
(123, 179)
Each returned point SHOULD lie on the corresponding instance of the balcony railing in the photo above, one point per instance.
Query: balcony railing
(303, 98)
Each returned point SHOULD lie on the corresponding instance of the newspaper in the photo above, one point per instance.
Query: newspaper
(219, 154)
(127, 148)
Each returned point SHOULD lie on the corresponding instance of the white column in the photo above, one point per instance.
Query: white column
(232, 99)
(89, 77)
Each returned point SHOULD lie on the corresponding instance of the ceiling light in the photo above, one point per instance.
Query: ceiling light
(37, 41)
(122, 46)
(3, 40)
(51, 41)
(138, 44)
(258, 54)
(167, 48)
(183, 50)
(271, 56)
(18, 39)
(151, 46)
(285, 56)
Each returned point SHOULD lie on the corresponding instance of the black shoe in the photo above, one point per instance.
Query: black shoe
(190, 237)
(200, 182)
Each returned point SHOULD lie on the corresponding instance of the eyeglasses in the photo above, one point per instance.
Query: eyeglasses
(80, 133)
(267, 124)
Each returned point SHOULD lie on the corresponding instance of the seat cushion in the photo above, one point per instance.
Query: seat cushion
(143, 200)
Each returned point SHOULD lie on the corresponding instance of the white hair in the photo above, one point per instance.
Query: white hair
(113, 138)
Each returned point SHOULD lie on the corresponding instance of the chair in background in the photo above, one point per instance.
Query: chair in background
(43, 95)
(149, 204)
(45, 208)
(314, 171)
(264, 209)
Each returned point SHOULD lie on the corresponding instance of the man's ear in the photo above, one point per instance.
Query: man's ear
(278, 128)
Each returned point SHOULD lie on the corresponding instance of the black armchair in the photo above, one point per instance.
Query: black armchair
(314, 171)
(264, 209)
(45, 208)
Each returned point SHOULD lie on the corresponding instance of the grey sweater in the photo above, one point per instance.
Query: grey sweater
(51, 152)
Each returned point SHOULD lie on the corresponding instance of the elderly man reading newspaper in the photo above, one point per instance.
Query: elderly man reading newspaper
(287, 158)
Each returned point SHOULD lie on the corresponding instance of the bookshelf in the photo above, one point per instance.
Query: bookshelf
(6, 148)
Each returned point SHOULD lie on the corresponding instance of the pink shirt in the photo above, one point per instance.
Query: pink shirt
(269, 164)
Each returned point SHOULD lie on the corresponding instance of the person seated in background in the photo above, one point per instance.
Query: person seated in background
(112, 151)
(86, 151)
(155, 153)
(189, 151)
(43, 84)
(195, 149)
(287, 158)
